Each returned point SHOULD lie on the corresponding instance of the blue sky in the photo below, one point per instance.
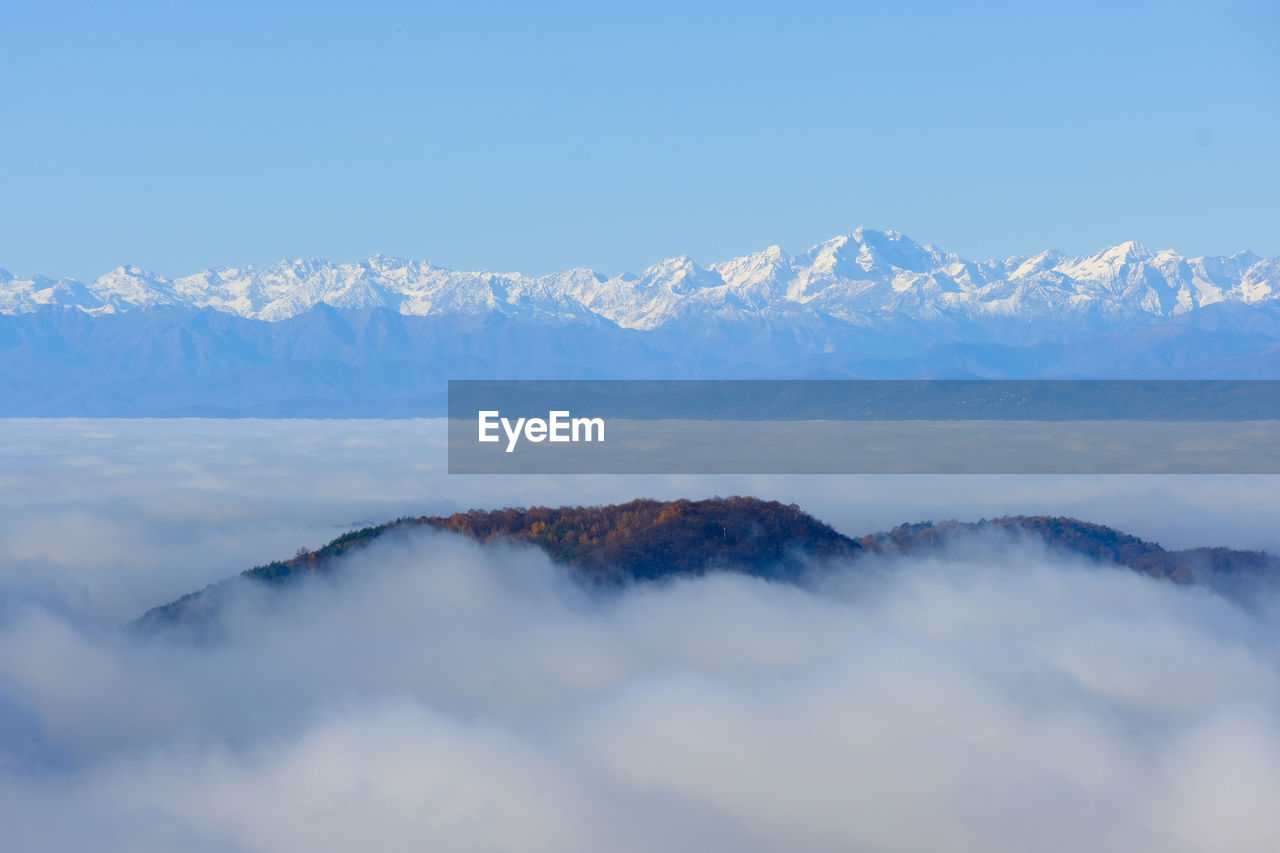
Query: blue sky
(540, 136)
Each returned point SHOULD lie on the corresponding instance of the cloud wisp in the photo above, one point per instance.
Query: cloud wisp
(440, 694)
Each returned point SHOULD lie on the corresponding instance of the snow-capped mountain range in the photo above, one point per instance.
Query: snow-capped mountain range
(381, 338)
(856, 279)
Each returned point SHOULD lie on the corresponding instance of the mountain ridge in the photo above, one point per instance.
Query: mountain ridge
(647, 540)
(854, 278)
(332, 362)
(381, 339)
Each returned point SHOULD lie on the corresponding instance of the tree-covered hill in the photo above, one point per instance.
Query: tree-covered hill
(646, 540)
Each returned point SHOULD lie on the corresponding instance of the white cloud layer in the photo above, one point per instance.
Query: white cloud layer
(102, 519)
(439, 695)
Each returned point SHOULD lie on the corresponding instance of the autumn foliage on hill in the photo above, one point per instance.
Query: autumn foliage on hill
(604, 545)
(647, 539)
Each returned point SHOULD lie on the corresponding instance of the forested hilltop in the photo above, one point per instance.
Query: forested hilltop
(647, 540)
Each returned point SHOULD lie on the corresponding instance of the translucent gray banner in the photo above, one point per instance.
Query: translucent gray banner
(864, 427)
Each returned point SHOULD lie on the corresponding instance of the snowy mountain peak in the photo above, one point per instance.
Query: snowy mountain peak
(876, 250)
(1127, 251)
(1120, 255)
(853, 278)
(1022, 267)
(1244, 259)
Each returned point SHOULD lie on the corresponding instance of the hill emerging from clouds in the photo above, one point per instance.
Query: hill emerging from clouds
(648, 540)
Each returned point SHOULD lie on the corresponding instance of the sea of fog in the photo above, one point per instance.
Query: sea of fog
(441, 695)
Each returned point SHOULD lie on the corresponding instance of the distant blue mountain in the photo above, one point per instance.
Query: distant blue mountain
(377, 362)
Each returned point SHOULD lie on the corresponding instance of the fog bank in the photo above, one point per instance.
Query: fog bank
(102, 519)
(441, 694)
(437, 694)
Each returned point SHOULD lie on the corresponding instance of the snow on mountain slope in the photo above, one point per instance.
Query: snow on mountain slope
(859, 278)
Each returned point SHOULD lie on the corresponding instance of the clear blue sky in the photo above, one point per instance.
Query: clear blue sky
(544, 135)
